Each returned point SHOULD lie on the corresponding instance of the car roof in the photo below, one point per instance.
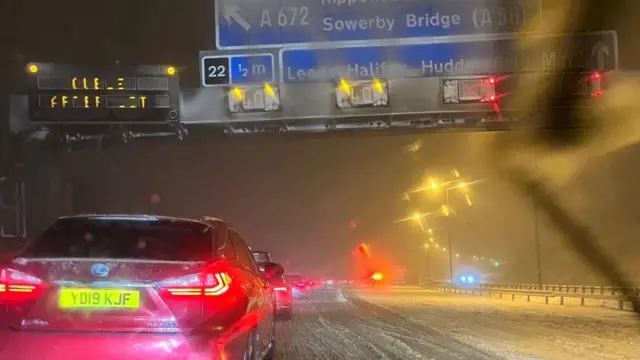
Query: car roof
(211, 218)
(132, 217)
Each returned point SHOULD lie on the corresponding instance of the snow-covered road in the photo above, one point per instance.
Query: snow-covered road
(414, 323)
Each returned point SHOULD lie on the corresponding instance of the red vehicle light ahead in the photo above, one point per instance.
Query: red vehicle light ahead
(377, 276)
(205, 284)
(16, 285)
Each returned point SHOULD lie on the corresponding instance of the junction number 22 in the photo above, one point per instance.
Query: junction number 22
(217, 71)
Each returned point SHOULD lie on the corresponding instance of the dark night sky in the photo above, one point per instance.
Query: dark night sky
(292, 196)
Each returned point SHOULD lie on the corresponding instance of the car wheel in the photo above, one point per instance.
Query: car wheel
(272, 344)
(250, 351)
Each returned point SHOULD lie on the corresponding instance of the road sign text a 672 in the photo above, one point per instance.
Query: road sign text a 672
(286, 16)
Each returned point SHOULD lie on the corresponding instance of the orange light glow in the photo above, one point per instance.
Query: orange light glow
(363, 249)
(377, 276)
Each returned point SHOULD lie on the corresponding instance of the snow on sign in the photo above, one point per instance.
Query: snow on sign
(242, 24)
(265, 98)
(457, 91)
(359, 94)
(596, 51)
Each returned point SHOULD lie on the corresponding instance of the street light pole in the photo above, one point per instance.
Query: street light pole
(449, 242)
(536, 236)
(428, 265)
(427, 246)
(536, 239)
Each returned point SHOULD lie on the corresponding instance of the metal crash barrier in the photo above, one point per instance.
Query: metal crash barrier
(570, 295)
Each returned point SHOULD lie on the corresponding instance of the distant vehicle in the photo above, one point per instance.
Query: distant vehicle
(298, 285)
(284, 296)
(330, 283)
(165, 282)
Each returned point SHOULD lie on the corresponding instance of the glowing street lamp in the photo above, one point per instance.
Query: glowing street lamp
(445, 210)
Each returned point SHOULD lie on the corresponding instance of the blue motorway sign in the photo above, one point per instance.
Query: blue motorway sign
(594, 51)
(272, 23)
(221, 70)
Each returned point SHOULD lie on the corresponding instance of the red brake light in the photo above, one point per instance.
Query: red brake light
(595, 83)
(205, 284)
(18, 285)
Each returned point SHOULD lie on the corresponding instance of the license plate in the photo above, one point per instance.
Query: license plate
(99, 299)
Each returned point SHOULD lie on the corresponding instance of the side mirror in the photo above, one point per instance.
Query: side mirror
(272, 270)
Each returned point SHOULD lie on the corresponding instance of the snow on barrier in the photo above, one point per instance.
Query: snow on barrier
(609, 300)
(573, 289)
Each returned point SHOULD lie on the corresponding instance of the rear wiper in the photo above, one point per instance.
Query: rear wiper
(568, 126)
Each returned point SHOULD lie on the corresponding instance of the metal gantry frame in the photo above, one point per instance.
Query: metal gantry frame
(13, 222)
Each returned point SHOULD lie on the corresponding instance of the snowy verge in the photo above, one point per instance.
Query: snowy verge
(517, 330)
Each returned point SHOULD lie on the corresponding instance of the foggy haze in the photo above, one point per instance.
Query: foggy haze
(297, 198)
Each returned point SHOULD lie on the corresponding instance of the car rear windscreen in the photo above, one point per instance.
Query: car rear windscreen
(124, 238)
(292, 278)
(261, 256)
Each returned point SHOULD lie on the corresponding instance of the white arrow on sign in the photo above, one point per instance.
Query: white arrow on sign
(600, 50)
(232, 12)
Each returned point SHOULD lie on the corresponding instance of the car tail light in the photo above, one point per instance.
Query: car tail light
(198, 285)
(281, 288)
(595, 84)
(16, 285)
